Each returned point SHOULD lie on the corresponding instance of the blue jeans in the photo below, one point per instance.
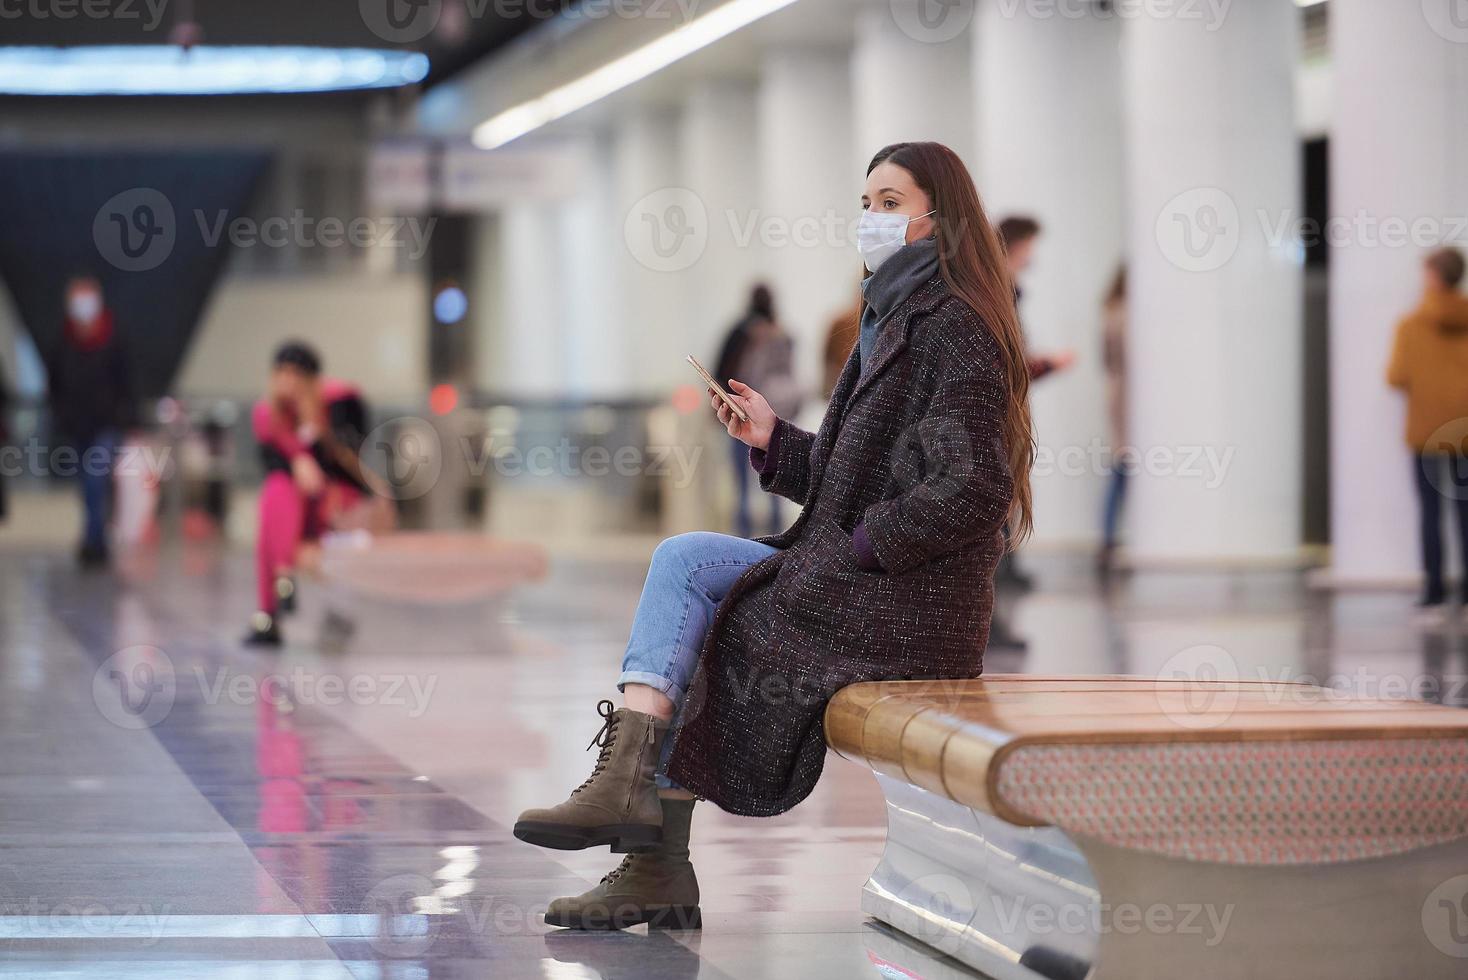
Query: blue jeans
(96, 477)
(689, 576)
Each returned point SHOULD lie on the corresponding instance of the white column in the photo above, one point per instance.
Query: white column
(908, 82)
(588, 226)
(1215, 345)
(1399, 156)
(658, 225)
(719, 151)
(1047, 152)
(524, 357)
(811, 193)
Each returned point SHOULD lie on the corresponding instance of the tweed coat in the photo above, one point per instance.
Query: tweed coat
(914, 448)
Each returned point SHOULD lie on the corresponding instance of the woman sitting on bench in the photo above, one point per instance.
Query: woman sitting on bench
(737, 645)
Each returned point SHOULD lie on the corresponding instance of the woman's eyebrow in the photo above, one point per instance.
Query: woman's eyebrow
(891, 190)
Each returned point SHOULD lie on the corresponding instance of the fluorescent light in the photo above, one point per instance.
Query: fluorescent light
(160, 69)
(624, 71)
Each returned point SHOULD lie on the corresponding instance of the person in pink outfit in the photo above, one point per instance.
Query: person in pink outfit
(310, 429)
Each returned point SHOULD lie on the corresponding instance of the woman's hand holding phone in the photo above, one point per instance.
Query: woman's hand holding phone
(761, 425)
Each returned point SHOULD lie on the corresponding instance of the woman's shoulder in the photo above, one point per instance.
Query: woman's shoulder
(955, 327)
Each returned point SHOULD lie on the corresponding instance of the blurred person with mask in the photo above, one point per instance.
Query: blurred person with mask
(1429, 364)
(759, 353)
(92, 402)
(923, 455)
(310, 429)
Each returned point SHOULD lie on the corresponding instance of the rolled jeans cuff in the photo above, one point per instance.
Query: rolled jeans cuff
(655, 681)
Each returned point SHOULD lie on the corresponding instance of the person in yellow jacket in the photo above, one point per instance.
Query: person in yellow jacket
(1430, 365)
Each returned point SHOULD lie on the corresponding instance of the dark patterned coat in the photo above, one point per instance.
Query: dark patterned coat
(913, 448)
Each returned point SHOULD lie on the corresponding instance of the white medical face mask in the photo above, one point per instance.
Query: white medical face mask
(85, 307)
(880, 234)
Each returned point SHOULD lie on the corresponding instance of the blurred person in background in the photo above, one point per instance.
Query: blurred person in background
(1429, 364)
(92, 402)
(758, 352)
(841, 335)
(923, 456)
(1019, 235)
(4, 441)
(1113, 356)
(310, 430)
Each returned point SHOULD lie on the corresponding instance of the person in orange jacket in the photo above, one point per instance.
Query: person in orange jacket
(1430, 365)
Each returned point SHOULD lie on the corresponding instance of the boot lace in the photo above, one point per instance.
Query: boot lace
(605, 738)
(619, 870)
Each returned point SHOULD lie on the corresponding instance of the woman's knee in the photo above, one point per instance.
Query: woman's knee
(679, 551)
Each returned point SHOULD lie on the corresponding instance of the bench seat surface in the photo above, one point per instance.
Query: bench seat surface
(1240, 772)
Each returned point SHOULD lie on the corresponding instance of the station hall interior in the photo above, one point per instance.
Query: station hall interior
(268, 717)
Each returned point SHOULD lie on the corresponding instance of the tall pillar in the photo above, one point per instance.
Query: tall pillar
(1215, 331)
(909, 83)
(589, 230)
(719, 152)
(1055, 153)
(658, 226)
(1399, 155)
(811, 193)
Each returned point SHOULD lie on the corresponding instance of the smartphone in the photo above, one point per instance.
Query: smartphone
(718, 389)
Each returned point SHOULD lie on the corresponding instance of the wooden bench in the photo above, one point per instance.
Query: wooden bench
(1086, 828)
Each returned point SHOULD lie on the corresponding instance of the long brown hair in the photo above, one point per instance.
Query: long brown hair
(972, 263)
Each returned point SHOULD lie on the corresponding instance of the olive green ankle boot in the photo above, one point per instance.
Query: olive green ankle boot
(657, 887)
(618, 803)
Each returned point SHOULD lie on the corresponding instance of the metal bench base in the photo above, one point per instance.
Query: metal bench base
(1019, 903)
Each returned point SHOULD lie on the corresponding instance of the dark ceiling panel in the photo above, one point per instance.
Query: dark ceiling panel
(453, 33)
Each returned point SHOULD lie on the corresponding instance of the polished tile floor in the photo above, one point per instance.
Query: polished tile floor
(172, 805)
